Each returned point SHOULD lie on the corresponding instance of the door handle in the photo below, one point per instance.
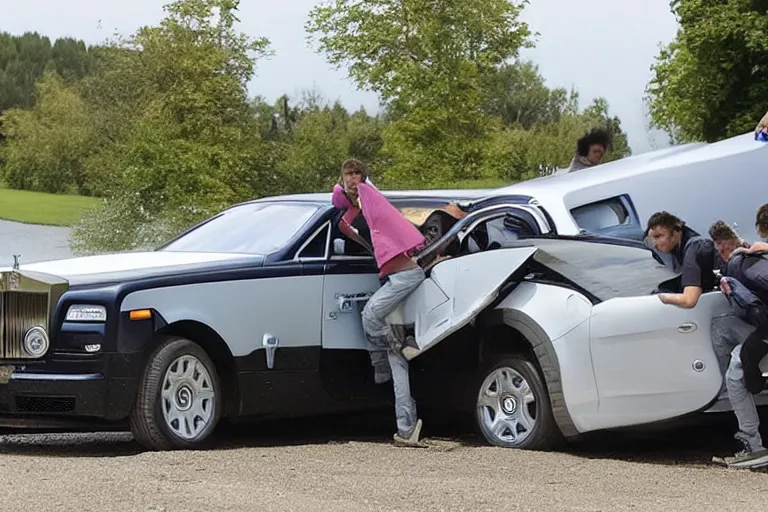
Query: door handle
(347, 300)
(270, 343)
(686, 328)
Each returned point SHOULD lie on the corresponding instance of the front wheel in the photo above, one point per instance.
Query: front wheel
(512, 407)
(179, 399)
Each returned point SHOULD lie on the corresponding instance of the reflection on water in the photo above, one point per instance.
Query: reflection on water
(32, 242)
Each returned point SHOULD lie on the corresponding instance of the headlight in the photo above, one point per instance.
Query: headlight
(36, 341)
(86, 313)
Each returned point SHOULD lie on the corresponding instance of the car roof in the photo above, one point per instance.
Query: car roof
(562, 183)
(324, 198)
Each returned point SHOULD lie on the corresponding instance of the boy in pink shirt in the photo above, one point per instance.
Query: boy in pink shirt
(393, 238)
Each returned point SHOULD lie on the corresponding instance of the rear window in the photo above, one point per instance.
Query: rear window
(602, 215)
(418, 215)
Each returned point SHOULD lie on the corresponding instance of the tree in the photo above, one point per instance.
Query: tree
(309, 140)
(429, 61)
(25, 58)
(188, 143)
(518, 95)
(47, 146)
(711, 82)
(596, 114)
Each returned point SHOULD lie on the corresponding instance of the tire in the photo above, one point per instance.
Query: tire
(520, 382)
(187, 415)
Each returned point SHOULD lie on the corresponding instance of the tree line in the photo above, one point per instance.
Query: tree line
(161, 126)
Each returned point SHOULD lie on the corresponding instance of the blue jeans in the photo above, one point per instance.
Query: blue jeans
(395, 290)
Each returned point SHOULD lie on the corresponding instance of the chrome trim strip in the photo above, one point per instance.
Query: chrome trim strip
(57, 376)
(311, 239)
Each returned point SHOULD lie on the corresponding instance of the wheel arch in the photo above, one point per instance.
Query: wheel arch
(216, 348)
(511, 330)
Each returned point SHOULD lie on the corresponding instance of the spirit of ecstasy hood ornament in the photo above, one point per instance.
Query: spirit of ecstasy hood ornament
(16, 261)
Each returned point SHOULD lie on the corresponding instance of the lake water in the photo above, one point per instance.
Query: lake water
(32, 242)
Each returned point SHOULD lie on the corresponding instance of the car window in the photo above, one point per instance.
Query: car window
(316, 247)
(418, 215)
(500, 232)
(602, 215)
(256, 228)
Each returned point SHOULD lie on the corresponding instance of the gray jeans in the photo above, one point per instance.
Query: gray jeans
(742, 401)
(728, 332)
(397, 288)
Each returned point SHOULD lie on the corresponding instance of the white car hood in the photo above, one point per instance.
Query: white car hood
(132, 265)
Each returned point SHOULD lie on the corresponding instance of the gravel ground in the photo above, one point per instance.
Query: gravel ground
(348, 465)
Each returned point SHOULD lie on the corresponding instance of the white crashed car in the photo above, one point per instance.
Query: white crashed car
(549, 337)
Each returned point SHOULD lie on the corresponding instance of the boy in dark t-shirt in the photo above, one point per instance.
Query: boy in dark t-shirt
(687, 252)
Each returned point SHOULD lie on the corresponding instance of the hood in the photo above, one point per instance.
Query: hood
(136, 265)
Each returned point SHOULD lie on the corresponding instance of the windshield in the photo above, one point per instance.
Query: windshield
(256, 228)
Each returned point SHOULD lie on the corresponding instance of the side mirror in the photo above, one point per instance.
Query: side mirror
(339, 246)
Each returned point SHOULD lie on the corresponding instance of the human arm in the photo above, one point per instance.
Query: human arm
(687, 300)
(698, 259)
(339, 198)
(757, 247)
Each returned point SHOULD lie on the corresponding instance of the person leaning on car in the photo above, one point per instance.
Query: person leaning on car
(728, 330)
(685, 251)
(745, 284)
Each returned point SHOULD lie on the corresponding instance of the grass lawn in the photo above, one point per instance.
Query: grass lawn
(40, 208)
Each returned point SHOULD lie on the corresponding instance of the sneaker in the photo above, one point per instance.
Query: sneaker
(410, 352)
(747, 458)
(411, 440)
(410, 349)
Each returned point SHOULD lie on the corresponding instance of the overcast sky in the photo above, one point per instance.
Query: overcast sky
(602, 47)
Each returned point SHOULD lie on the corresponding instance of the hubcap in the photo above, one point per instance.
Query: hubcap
(506, 407)
(509, 405)
(188, 397)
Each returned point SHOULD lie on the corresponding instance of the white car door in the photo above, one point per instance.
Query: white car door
(653, 361)
(457, 290)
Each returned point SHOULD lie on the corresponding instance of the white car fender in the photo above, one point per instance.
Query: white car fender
(555, 321)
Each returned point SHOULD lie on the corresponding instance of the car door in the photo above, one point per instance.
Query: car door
(349, 281)
(459, 288)
(653, 361)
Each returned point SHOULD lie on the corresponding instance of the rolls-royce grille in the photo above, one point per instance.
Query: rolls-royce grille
(19, 312)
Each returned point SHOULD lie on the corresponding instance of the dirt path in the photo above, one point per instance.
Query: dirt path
(269, 469)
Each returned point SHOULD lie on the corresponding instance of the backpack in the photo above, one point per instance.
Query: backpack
(747, 275)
